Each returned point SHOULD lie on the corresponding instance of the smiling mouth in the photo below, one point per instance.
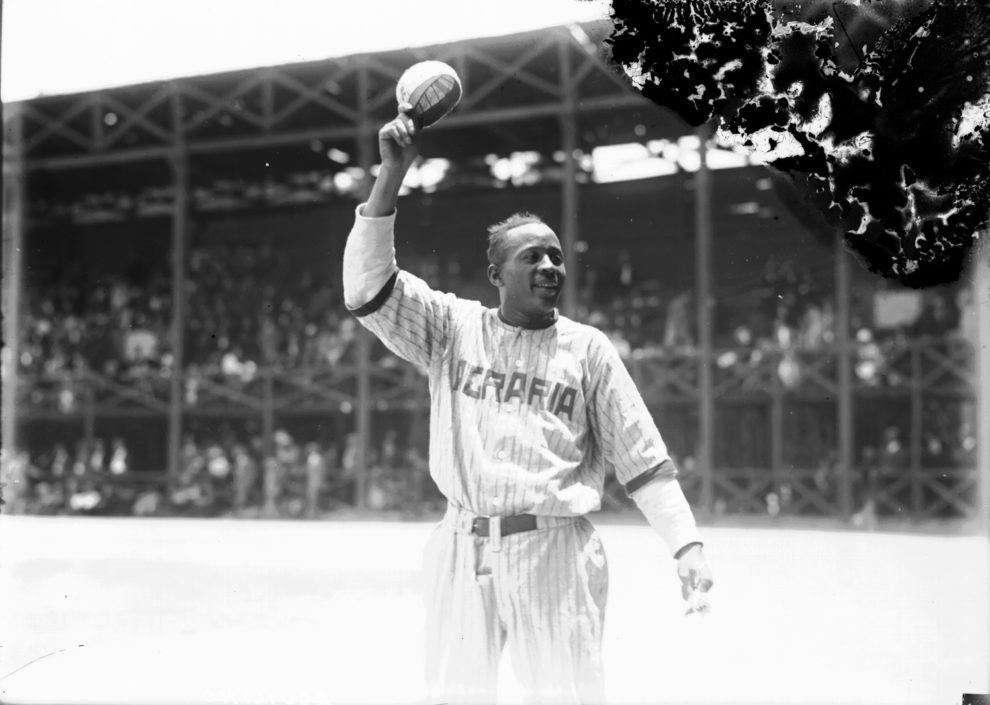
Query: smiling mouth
(550, 286)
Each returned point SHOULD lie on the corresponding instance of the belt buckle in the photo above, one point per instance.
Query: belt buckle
(476, 523)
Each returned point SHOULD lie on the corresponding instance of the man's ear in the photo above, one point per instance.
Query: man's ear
(494, 275)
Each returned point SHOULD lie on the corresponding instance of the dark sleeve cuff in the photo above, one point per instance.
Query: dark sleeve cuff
(380, 298)
(684, 549)
(664, 469)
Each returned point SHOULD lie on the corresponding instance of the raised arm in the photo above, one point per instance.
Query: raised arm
(398, 144)
(369, 255)
(398, 307)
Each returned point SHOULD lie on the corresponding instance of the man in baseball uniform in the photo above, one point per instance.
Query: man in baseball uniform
(529, 410)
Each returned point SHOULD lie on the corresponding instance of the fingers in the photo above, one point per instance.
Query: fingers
(698, 604)
(696, 579)
(702, 577)
(405, 128)
(402, 130)
(694, 589)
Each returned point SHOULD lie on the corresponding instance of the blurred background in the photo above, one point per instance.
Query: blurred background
(177, 343)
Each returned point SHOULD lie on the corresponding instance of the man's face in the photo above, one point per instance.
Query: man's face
(531, 275)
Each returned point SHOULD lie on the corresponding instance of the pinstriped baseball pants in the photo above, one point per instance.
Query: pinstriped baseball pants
(542, 593)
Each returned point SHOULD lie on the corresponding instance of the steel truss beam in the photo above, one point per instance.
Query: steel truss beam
(294, 104)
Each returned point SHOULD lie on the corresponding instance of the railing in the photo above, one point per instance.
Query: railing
(766, 401)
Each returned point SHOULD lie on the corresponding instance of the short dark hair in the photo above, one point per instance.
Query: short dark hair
(497, 232)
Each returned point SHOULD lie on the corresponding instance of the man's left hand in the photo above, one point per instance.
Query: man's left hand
(696, 579)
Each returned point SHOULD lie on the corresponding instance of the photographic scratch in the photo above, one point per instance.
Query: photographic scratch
(35, 660)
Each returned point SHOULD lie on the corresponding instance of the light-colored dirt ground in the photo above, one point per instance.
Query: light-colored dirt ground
(252, 612)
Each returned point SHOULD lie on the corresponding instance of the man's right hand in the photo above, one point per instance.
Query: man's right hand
(398, 144)
(398, 141)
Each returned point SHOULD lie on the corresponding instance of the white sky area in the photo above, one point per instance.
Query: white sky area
(51, 47)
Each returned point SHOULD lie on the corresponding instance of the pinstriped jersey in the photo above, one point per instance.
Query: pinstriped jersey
(521, 420)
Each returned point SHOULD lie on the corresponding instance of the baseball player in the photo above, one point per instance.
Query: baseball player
(529, 410)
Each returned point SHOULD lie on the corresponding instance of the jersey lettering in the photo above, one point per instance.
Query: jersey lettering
(537, 390)
(469, 387)
(566, 403)
(495, 380)
(517, 384)
(474, 381)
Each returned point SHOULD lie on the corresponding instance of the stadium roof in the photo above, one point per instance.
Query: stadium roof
(54, 47)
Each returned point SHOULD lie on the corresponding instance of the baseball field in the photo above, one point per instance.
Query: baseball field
(213, 611)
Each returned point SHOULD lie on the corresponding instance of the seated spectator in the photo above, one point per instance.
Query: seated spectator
(118, 457)
(193, 491)
(15, 480)
(88, 490)
(380, 488)
(345, 483)
(272, 488)
(789, 369)
(869, 365)
(149, 502)
(316, 473)
(868, 483)
(817, 327)
(677, 335)
(219, 476)
(245, 476)
(52, 497)
(964, 448)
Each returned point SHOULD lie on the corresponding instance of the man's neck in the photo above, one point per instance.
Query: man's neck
(528, 322)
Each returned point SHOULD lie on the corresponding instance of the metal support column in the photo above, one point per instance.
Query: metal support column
(179, 162)
(569, 185)
(981, 347)
(14, 211)
(777, 434)
(845, 460)
(703, 303)
(89, 413)
(268, 413)
(916, 434)
(366, 150)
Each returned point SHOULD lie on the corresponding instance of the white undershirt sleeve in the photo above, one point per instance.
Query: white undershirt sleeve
(665, 507)
(369, 258)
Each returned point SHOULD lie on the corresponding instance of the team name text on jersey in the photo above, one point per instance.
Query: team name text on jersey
(477, 382)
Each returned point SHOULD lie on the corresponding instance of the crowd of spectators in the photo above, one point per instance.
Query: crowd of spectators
(80, 479)
(787, 316)
(114, 324)
(250, 307)
(222, 475)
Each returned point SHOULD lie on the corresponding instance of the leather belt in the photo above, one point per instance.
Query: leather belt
(481, 526)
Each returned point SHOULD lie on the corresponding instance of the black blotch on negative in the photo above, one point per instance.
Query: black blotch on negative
(697, 58)
(888, 173)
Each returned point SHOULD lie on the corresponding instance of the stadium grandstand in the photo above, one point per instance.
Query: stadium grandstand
(177, 344)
